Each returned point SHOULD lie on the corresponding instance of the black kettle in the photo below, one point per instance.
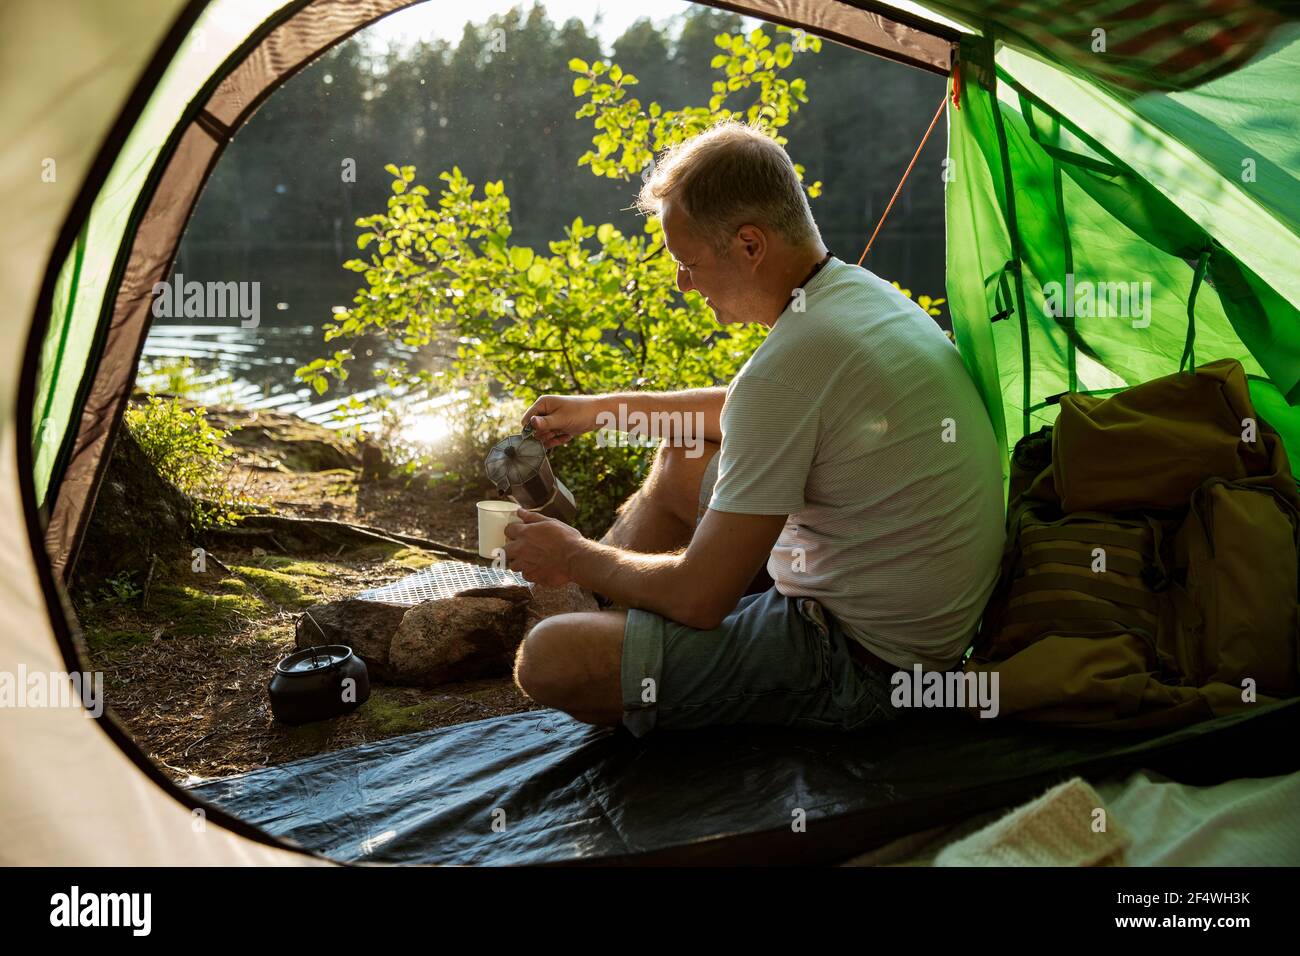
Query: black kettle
(317, 683)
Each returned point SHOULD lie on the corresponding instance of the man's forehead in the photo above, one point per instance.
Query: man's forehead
(678, 235)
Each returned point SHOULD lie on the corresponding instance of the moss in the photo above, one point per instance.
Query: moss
(379, 551)
(414, 558)
(417, 559)
(389, 712)
(343, 487)
(289, 590)
(273, 633)
(191, 612)
(104, 639)
(292, 566)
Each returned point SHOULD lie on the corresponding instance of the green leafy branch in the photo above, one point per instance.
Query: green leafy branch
(628, 134)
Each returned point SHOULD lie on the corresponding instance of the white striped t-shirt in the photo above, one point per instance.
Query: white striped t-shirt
(858, 420)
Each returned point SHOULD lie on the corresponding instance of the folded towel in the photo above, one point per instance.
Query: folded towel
(1060, 828)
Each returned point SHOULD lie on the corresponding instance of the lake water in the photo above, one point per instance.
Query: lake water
(255, 368)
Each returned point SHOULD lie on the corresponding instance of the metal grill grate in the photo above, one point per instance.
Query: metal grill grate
(443, 580)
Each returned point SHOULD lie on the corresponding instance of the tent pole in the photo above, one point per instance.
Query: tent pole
(907, 172)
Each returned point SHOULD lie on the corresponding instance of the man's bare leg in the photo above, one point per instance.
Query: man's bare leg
(660, 517)
(574, 662)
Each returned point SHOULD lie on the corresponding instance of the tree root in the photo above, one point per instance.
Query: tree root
(304, 536)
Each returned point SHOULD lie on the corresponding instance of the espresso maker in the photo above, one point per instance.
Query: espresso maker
(518, 466)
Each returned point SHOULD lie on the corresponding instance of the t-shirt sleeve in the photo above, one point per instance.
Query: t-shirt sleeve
(769, 438)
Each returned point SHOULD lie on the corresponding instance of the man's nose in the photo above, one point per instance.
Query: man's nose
(684, 281)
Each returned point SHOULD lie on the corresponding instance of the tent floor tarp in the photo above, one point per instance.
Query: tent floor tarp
(539, 787)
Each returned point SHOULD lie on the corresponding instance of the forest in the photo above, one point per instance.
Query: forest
(281, 204)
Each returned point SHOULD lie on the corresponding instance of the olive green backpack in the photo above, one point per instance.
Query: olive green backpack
(1150, 573)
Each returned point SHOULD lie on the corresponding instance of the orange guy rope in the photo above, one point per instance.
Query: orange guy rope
(939, 112)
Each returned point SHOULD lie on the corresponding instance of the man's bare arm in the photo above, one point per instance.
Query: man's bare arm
(697, 587)
(558, 419)
(705, 401)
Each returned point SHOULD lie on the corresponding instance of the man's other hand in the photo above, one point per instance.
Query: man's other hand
(541, 548)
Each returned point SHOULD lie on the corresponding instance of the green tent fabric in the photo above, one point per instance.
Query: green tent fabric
(88, 275)
(1059, 185)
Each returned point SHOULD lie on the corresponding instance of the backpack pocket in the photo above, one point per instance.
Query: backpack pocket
(1082, 574)
(1236, 590)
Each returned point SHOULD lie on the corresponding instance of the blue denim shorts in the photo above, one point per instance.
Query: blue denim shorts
(773, 660)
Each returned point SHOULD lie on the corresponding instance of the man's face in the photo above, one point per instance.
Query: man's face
(722, 280)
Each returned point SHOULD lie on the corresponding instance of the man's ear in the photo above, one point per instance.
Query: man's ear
(753, 243)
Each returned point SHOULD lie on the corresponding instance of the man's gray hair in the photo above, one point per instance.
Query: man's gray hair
(728, 176)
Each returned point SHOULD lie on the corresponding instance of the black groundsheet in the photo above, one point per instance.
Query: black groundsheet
(540, 787)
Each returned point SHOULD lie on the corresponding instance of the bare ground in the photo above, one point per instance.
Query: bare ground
(187, 662)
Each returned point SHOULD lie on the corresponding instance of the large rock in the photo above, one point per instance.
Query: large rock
(459, 638)
(365, 626)
(508, 592)
(549, 601)
(474, 634)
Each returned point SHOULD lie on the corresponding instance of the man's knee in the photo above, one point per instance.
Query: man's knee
(679, 475)
(573, 662)
(541, 663)
(691, 458)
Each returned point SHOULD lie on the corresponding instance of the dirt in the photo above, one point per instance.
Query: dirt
(418, 505)
(187, 657)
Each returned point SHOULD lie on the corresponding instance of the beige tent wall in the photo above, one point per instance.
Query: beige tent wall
(68, 794)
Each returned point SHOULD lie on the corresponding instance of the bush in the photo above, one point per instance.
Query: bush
(188, 452)
(181, 376)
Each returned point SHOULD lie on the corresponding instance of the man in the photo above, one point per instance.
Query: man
(851, 455)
